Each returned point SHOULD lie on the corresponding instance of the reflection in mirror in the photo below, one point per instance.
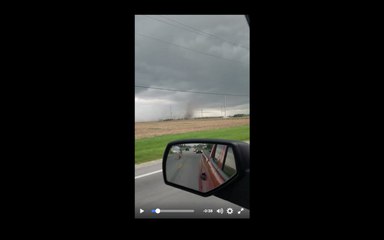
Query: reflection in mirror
(200, 166)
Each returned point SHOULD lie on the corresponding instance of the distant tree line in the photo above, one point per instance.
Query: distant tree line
(240, 115)
(216, 117)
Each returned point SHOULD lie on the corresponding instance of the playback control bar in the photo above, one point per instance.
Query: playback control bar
(228, 211)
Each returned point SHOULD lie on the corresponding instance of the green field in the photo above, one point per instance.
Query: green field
(147, 149)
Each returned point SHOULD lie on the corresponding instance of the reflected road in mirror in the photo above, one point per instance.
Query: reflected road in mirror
(183, 167)
(201, 167)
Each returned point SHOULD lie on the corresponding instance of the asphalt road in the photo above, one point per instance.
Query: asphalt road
(151, 193)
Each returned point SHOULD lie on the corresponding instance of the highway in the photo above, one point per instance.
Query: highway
(151, 193)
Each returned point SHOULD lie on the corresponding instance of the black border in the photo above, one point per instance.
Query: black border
(79, 98)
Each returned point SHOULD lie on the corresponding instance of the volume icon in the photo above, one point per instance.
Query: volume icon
(220, 210)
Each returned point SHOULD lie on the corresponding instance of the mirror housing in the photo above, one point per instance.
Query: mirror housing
(234, 189)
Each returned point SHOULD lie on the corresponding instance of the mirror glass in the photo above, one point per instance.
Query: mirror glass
(200, 166)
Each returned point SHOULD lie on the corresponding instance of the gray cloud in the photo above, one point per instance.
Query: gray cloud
(158, 64)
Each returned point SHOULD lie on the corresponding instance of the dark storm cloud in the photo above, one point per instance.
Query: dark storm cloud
(162, 65)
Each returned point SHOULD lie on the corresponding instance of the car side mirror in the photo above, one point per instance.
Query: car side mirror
(204, 166)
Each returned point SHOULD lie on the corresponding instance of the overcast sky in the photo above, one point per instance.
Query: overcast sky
(198, 53)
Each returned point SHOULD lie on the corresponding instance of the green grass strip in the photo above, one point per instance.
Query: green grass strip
(147, 149)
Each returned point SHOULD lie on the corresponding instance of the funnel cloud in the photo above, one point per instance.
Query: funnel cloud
(189, 66)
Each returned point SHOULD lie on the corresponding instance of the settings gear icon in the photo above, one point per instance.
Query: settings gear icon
(229, 210)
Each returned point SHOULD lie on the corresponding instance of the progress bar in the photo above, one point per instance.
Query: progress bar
(191, 211)
(157, 210)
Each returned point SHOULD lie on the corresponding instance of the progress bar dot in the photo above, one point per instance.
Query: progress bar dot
(157, 210)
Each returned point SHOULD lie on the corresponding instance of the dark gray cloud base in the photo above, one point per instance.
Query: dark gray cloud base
(165, 65)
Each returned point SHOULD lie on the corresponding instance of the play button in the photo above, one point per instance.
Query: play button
(141, 210)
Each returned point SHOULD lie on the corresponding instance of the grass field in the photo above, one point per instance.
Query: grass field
(147, 149)
(159, 128)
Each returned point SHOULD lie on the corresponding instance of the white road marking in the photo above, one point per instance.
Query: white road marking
(147, 174)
